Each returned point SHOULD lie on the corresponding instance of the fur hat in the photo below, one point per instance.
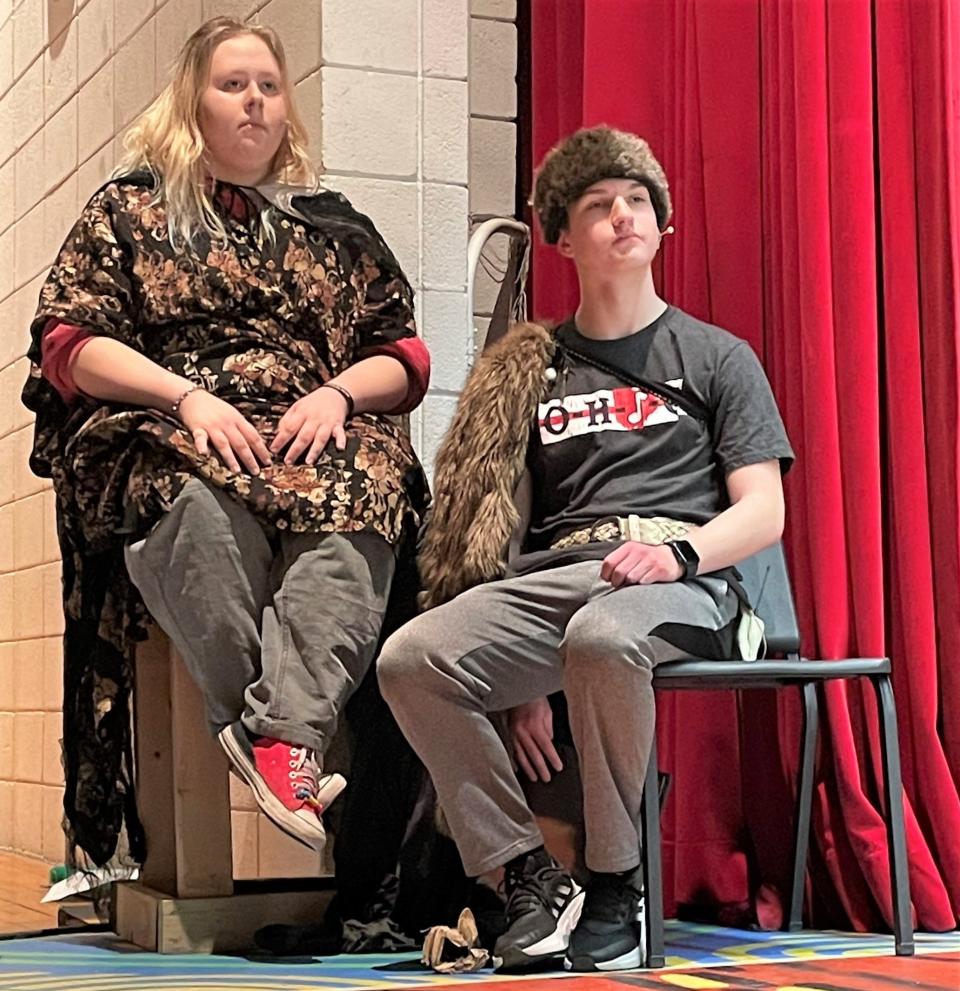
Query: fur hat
(586, 157)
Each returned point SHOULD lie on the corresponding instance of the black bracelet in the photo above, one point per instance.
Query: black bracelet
(343, 392)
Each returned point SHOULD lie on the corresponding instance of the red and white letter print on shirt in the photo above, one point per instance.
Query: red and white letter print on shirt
(624, 408)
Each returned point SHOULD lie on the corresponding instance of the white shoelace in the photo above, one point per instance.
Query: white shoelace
(304, 773)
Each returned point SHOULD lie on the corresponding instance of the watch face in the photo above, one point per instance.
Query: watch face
(686, 556)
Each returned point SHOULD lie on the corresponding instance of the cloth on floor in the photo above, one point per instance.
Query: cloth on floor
(455, 950)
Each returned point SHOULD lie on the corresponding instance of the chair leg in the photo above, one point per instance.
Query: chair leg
(801, 845)
(896, 834)
(652, 871)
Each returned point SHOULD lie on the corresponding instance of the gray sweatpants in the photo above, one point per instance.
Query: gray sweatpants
(276, 628)
(509, 642)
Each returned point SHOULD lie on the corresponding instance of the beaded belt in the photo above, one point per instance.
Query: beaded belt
(645, 529)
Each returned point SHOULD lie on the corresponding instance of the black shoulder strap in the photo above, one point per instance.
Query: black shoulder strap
(667, 393)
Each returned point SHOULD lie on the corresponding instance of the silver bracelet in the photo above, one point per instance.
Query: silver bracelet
(193, 387)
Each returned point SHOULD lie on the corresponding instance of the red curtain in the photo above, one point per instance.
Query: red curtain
(812, 148)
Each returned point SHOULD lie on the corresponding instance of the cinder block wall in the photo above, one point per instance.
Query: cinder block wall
(383, 85)
(493, 138)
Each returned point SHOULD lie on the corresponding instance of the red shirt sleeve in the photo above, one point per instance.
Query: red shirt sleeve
(412, 353)
(60, 344)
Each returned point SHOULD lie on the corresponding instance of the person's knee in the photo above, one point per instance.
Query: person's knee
(604, 637)
(403, 663)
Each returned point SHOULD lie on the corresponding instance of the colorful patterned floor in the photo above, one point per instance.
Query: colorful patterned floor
(699, 957)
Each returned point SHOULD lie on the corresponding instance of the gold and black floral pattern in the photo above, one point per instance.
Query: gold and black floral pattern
(257, 319)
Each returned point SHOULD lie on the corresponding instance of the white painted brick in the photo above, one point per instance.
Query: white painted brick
(309, 96)
(28, 170)
(367, 122)
(134, 80)
(504, 9)
(94, 37)
(26, 103)
(445, 129)
(128, 15)
(176, 21)
(446, 26)
(437, 413)
(95, 112)
(6, 267)
(24, 310)
(6, 56)
(8, 391)
(8, 347)
(119, 152)
(371, 33)
(493, 68)
(27, 34)
(239, 9)
(28, 246)
(418, 308)
(60, 212)
(60, 146)
(444, 237)
(6, 589)
(394, 209)
(6, 197)
(60, 70)
(94, 172)
(493, 167)
(8, 142)
(298, 24)
(59, 15)
(446, 332)
(415, 424)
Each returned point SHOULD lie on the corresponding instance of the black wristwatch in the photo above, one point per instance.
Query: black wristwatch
(687, 557)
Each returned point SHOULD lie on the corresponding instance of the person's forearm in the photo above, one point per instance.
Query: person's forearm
(108, 369)
(751, 524)
(377, 384)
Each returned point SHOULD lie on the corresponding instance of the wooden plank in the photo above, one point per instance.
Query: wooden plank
(212, 925)
(201, 795)
(182, 780)
(154, 756)
(17, 919)
(23, 882)
(134, 914)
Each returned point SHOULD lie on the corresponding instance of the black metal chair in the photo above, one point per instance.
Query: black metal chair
(768, 586)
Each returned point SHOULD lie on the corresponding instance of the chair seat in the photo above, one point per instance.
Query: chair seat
(752, 674)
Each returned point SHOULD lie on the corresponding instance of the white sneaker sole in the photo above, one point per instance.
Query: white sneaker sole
(310, 833)
(634, 959)
(631, 960)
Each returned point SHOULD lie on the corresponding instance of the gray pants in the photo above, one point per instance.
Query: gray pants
(276, 628)
(508, 642)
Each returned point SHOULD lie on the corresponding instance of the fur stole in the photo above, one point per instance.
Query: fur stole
(480, 463)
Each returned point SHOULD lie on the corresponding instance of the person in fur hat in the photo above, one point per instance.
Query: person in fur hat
(654, 451)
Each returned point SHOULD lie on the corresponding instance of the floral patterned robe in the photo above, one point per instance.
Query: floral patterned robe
(259, 321)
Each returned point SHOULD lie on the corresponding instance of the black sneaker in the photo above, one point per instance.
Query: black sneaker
(543, 905)
(611, 933)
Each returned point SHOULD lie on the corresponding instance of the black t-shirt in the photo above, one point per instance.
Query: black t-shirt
(605, 447)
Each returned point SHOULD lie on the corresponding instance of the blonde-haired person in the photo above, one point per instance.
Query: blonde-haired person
(213, 356)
